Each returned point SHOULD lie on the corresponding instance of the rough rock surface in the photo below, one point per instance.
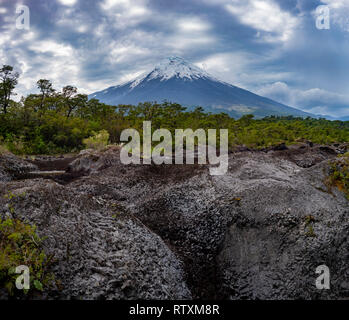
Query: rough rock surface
(91, 161)
(101, 251)
(286, 224)
(245, 234)
(258, 232)
(12, 167)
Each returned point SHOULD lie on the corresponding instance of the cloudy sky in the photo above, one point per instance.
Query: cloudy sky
(271, 47)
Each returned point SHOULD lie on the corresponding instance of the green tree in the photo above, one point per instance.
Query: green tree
(46, 89)
(70, 101)
(8, 82)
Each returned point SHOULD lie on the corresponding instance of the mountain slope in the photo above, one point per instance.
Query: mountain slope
(179, 81)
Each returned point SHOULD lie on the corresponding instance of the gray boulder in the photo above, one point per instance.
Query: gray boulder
(12, 167)
(258, 232)
(100, 250)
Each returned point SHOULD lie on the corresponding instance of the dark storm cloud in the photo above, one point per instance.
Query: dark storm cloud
(268, 46)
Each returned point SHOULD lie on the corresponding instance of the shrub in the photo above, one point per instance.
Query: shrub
(339, 174)
(97, 141)
(20, 245)
(15, 144)
(310, 232)
(309, 221)
(3, 149)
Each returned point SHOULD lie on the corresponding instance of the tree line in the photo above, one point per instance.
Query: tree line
(57, 121)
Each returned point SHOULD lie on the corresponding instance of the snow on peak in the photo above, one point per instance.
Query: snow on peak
(176, 67)
(172, 67)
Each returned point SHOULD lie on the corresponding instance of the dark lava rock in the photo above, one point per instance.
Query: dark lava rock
(174, 231)
(100, 251)
(12, 167)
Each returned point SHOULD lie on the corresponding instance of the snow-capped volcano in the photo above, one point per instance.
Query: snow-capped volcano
(173, 67)
(177, 80)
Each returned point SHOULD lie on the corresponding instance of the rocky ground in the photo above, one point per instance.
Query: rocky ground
(175, 232)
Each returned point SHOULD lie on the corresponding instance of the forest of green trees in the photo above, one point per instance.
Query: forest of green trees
(53, 121)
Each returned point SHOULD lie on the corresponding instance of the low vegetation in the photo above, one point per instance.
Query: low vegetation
(3, 150)
(309, 226)
(97, 141)
(21, 246)
(339, 174)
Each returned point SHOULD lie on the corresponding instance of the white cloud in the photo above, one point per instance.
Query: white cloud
(73, 19)
(182, 42)
(193, 24)
(187, 33)
(226, 66)
(52, 47)
(336, 4)
(313, 100)
(126, 52)
(68, 2)
(131, 76)
(126, 13)
(47, 59)
(56, 62)
(265, 16)
(240, 68)
(82, 28)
